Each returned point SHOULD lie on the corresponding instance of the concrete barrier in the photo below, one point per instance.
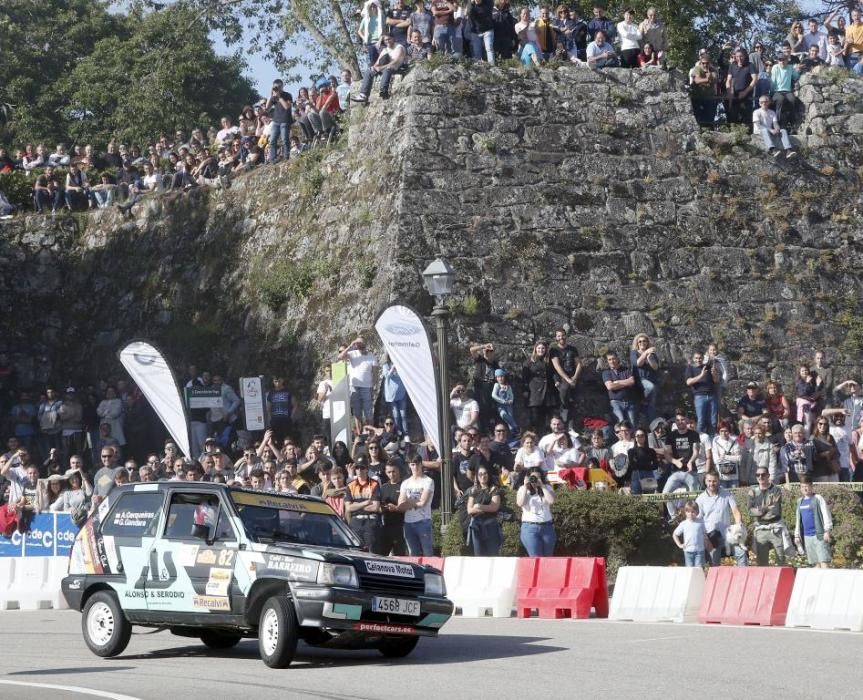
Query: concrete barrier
(657, 594)
(7, 578)
(562, 587)
(479, 584)
(827, 599)
(747, 595)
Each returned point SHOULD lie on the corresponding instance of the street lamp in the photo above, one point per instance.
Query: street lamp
(439, 280)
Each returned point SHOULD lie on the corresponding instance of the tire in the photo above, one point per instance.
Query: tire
(105, 627)
(217, 640)
(398, 647)
(278, 632)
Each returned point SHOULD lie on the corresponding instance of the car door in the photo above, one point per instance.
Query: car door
(190, 574)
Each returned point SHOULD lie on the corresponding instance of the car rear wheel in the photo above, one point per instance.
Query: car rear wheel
(215, 640)
(398, 647)
(278, 632)
(105, 627)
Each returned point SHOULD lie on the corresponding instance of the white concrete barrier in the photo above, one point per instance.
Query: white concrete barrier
(657, 594)
(827, 599)
(479, 584)
(7, 578)
(57, 569)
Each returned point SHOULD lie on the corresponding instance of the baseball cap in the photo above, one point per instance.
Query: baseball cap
(500, 373)
(752, 385)
(70, 389)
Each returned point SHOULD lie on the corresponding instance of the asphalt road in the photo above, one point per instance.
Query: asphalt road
(488, 658)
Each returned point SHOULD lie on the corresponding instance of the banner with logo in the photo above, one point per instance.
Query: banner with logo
(252, 391)
(340, 404)
(203, 397)
(407, 342)
(50, 535)
(152, 373)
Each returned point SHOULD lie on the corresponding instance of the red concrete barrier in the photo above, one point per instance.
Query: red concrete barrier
(747, 595)
(562, 587)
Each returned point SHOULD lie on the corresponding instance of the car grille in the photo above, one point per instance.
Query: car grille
(392, 584)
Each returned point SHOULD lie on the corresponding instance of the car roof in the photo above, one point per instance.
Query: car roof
(178, 485)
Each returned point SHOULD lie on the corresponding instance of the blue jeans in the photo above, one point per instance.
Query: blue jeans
(694, 558)
(372, 51)
(477, 41)
(623, 410)
(399, 412)
(538, 539)
(443, 39)
(704, 411)
(277, 130)
(779, 142)
(504, 411)
(361, 403)
(741, 556)
(648, 403)
(418, 537)
(386, 75)
(637, 476)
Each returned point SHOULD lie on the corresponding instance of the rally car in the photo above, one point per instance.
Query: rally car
(220, 564)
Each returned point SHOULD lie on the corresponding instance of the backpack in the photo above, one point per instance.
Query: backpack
(49, 419)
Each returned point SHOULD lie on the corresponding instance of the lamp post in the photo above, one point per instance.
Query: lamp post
(439, 280)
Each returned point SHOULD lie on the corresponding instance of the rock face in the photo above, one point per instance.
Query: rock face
(568, 197)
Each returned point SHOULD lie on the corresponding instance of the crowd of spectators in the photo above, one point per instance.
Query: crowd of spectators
(387, 484)
(276, 127)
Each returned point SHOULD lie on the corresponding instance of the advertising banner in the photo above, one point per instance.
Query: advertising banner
(50, 535)
(406, 340)
(340, 405)
(151, 372)
(203, 397)
(253, 401)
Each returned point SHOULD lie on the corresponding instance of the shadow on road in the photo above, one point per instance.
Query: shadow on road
(68, 671)
(450, 648)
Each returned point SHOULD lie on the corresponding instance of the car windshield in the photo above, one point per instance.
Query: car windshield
(268, 518)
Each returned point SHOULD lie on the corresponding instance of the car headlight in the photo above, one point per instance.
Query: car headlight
(435, 585)
(337, 575)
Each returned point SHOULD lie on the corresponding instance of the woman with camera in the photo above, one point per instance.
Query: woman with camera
(483, 502)
(535, 498)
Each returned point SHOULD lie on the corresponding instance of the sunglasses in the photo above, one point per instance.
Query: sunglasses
(761, 475)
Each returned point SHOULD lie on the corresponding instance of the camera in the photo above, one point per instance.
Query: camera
(532, 479)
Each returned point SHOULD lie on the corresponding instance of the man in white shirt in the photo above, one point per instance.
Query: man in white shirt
(363, 376)
(227, 132)
(415, 497)
(554, 446)
(464, 406)
(765, 124)
(601, 54)
(390, 61)
(344, 90)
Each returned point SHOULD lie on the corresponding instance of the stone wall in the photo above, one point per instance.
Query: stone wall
(562, 196)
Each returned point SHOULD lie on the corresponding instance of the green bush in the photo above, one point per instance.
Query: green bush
(18, 188)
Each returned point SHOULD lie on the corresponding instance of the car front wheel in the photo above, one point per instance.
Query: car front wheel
(278, 632)
(106, 629)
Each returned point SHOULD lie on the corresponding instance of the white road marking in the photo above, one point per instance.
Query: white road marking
(73, 689)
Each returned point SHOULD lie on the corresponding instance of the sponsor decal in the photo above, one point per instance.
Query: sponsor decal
(209, 602)
(154, 595)
(402, 328)
(188, 554)
(383, 628)
(296, 567)
(389, 568)
(263, 500)
(75, 584)
(219, 581)
(207, 557)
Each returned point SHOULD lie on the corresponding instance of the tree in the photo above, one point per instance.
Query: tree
(41, 41)
(163, 76)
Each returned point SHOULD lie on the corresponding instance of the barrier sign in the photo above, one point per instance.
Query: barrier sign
(50, 535)
(253, 399)
(203, 397)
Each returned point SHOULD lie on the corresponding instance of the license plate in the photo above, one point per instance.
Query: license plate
(396, 606)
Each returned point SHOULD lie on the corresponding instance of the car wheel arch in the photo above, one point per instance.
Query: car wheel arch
(93, 589)
(260, 592)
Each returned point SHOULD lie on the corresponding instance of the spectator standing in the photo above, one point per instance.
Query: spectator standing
(363, 502)
(483, 504)
(103, 479)
(370, 30)
(50, 423)
(717, 506)
(763, 454)
(480, 13)
(764, 501)
(567, 367)
(843, 444)
(23, 416)
(702, 81)
(620, 384)
(529, 456)
(325, 388)
(110, 410)
(727, 456)
(539, 391)
(398, 22)
(643, 462)
(395, 395)
(849, 395)
(701, 378)
(854, 40)
(825, 373)
(71, 421)
(751, 406)
(443, 12)
(813, 529)
(415, 499)
(691, 537)
(535, 499)
(653, 32)
(392, 532)
(546, 34)
(825, 455)
(485, 364)
(740, 84)
(645, 366)
(796, 455)
(808, 393)
(600, 23)
(504, 397)
(279, 106)
(362, 372)
(281, 407)
(630, 40)
(422, 21)
(505, 37)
